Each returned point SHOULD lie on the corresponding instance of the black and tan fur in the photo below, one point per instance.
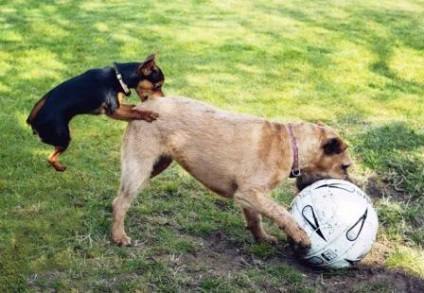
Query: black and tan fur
(95, 92)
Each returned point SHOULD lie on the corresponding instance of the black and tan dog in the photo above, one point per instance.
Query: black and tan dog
(97, 91)
(236, 156)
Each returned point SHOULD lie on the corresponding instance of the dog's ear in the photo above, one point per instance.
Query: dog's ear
(148, 65)
(334, 146)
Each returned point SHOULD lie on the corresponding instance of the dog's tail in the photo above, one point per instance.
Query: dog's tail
(37, 107)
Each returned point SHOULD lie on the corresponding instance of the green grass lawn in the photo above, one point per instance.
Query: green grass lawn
(355, 65)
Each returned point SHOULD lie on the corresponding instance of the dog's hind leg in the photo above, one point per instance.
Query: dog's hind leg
(53, 159)
(254, 224)
(136, 172)
(257, 201)
(57, 134)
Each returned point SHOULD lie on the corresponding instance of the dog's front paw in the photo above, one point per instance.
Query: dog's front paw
(148, 116)
(122, 240)
(299, 248)
(299, 237)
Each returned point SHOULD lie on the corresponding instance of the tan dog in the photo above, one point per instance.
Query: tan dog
(236, 156)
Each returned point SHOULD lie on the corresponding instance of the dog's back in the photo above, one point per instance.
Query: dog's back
(184, 124)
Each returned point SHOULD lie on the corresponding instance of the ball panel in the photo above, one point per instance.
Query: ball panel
(353, 233)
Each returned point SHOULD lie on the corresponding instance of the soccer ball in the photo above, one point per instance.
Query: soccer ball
(340, 221)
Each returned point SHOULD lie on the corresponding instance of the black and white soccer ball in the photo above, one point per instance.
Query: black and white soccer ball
(339, 219)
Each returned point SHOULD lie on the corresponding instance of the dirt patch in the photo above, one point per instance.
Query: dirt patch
(378, 188)
(223, 258)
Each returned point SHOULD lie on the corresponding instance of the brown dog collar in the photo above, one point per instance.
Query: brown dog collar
(121, 81)
(295, 171)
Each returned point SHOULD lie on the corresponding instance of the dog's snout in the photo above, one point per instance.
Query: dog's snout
(158, 93)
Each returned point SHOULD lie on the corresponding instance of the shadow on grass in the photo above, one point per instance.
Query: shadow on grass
(379, 30)
(395, 150)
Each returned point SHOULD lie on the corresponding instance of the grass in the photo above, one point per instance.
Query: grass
(356, 65)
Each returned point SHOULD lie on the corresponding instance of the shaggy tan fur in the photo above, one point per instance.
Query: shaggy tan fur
(236, 156)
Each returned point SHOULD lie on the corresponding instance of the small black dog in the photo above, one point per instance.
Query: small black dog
(97, 91)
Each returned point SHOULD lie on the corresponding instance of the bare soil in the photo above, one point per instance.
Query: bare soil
(369, 276)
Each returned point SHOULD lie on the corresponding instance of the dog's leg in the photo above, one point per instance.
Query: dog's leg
(121, 204)
(257, 201)
(127, 112)
(254, 224)
(135, 174)
(54, 156)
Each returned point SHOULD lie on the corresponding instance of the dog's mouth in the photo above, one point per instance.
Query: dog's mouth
(304, 180)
